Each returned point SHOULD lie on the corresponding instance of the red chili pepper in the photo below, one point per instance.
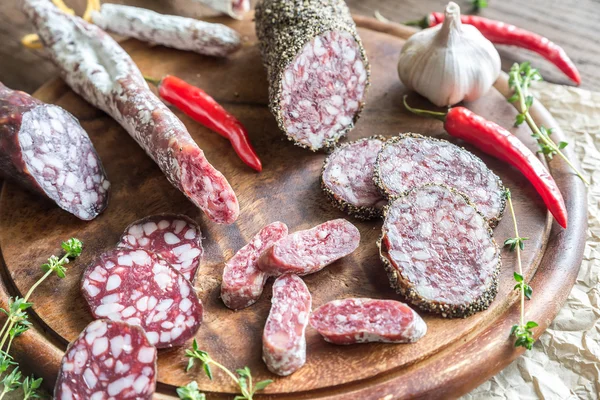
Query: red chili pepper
(501, 33)
(498, 142)
(197, 104)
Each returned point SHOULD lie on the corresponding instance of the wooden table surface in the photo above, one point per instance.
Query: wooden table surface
(570, 23)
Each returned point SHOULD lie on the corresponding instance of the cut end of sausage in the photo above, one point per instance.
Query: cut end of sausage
(322, 90)
(439, 252)
(347, 178)
(61, 158)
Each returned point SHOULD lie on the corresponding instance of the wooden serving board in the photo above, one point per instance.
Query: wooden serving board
(455, 355)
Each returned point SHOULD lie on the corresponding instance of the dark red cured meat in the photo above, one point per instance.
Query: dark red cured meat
(243, 281)
(412, 160)
(174, 237)
(309, 251)
(109, 360)
(140, 288)
(439, 252)
(44, 149)
(100, 71)
(360, 320)
(284, 342)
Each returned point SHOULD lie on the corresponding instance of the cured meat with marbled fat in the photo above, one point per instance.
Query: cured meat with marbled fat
(317, 68)
(168, 30)
(140, 288)
(284, 341)
(362, 320)
(243, 281)
(44, 149)
(174, 237)
(98, 69)
(309, 251)
(109, 360)
(347, 178)
(410, 160)
(439, 252)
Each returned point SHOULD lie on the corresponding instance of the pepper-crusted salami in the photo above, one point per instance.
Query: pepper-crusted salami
(168, 30)
(174, 237)
(44, 149)
(109, 360)
(439, 252)
(347, 178)
(317, 68)
(309, 251)
(412, 160)
(361, 320)
(233, 8)
(243, 281)
(140, 288)
(284, 342)
(99, 70)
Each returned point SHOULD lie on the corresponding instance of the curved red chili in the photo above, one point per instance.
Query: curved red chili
(197, 104)
(502, 33)
(498, 142)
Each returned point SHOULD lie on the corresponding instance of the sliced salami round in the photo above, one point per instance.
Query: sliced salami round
(309, 251)
(317, 68)
(361, 320)
(347, 178)
(140, 288)
(284, 341)
(109, 360)
(439, 252)
(243, 281)
(412, 160)
(174, 237)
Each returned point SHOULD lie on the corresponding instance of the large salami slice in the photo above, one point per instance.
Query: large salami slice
(243, 281)
(284, 341)
(412, 160)
(360, 320)
(100, 71)
(168, 30)
(233, 8)
(309, 251)
(138, 287)
(109, 360)
(317, 68)
(44, 149)
(347, 178)
(439, 252)
(174, 237)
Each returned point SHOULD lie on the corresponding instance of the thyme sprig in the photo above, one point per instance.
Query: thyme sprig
(243, 379)
(522, 331)
(520, 78)
(478, 5)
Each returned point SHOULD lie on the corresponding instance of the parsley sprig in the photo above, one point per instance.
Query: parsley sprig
(17, 323)
(243, 379)
(477, 5)
(522, 331)
(520, 78)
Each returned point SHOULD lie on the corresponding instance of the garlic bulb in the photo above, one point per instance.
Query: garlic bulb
(450, 62)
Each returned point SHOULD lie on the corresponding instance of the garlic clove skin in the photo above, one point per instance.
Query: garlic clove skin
(450, 62)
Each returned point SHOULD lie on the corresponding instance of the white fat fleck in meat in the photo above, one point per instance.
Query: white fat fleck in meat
(146, 354)
(170, 238)
(114, 281)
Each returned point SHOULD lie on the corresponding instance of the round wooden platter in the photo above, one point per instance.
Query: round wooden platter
(454, 357)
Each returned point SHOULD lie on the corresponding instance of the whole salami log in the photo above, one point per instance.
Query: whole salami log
(412, 160)
(174, 237)
(100, 71)
(347, 178)
(284, 341)
(140, 288)
(44, 149)
(233, 8)
(309, 251)
(168, 30)
(109, 360)
(439, 252)
(317, 68)
(360, 320)
(243, 281)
